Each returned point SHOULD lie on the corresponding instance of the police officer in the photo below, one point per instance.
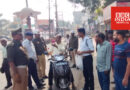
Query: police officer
(40, 47)
(73, 43)
(18, 61)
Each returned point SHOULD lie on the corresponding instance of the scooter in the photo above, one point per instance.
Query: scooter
(61, 72)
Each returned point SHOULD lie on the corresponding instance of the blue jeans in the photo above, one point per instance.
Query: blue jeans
(104, 80)
(119, 85)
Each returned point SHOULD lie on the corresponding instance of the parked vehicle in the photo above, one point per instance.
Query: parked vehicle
(61, 72)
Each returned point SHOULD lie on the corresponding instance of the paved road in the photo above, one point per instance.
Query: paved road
(78, 76)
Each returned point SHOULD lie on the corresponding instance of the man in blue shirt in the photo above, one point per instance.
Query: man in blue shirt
(122, 62)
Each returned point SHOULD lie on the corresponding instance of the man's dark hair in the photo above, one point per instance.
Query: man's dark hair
(122, 33)
(67, 35)
(101, 35)
(81, 30)
(3, 40)
(60, 37)
(28, 34)
(16, 32)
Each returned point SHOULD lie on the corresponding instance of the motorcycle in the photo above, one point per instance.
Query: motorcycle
(61, 72)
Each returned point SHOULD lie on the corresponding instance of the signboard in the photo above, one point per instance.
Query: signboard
(107, 10)
(120, 18)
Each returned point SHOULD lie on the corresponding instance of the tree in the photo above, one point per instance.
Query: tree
(4, 26)
(90, 4)
(64, 24)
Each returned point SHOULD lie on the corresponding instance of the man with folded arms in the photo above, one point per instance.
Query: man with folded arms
(18, 61)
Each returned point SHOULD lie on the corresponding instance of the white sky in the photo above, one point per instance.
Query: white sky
(8, 7)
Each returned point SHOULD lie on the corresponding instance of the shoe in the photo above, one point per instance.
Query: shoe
(74, 66)
(40, 87)
(8, 86)
(31, 88)
(73, 86)
(45, 77)
(113, 82)
(41, 84)
(50, 88)
(2, 70)
(41, 80)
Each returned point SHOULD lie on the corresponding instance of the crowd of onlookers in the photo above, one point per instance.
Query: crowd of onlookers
(113, 53)
(24, 59)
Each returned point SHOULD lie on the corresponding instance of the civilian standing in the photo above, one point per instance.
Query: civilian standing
(5, 66)
(122, 62)
(104, 53)
(85, 49)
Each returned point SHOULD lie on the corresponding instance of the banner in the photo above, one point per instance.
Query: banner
(120, 18)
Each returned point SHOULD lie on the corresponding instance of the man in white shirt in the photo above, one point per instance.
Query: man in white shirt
(5, 66)
(85, 49)
(29, 46)
(57, 48)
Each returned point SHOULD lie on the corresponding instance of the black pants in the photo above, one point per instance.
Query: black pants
(5, 68)
(88, 72)
(32, 70)
(51, 75)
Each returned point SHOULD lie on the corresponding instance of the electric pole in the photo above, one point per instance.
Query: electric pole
(57, 26)
(28, 18)
(26, 3)
(49, 18)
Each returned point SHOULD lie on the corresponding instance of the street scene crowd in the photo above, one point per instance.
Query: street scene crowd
(24, 59)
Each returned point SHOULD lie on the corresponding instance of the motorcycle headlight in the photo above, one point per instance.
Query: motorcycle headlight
(59, 57)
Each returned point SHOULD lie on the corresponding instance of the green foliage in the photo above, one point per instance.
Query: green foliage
(99, 11)
(3, 23)
(4, 26)
(95, 18)
(90, 4)
(65, 24)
